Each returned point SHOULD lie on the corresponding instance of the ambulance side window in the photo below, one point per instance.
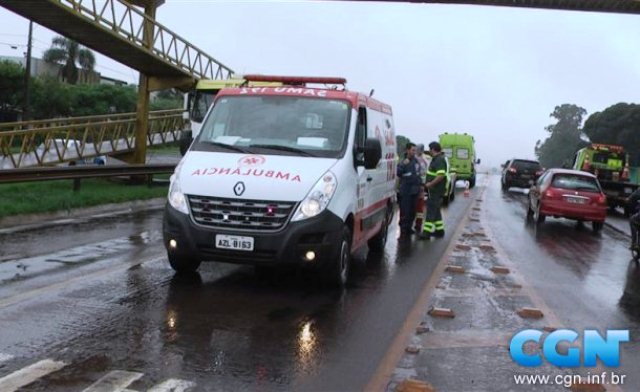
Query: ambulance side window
(361, 135)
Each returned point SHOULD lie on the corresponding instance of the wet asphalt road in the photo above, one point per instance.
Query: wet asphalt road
(98, 297)
(587, 280)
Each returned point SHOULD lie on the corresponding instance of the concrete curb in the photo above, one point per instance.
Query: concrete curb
(18, 223)
(616, 229)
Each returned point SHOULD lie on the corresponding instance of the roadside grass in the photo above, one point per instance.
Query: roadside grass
(170, 147)
(49, 196)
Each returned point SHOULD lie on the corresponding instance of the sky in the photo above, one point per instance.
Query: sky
(493, 72)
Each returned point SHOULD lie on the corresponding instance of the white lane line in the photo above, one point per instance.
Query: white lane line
(173, 385)
(114, 381)
(29, 374)
(5, 357)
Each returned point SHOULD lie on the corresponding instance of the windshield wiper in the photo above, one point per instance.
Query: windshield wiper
(227, 146)
(284, 148)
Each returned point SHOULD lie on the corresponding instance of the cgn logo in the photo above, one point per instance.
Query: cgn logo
(251, 161)
(593, 346)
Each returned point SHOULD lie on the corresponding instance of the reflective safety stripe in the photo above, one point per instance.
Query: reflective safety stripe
(429, 227)
(439, 225)
(441, 173)
(419, 215)
(430, 173)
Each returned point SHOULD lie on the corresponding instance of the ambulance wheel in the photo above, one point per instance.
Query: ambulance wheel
(472, 181)
(378, 242)
(183, 265)
(453, 195)
(445, 200)
(338, 270)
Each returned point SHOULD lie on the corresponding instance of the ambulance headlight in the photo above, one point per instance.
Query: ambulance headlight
(176, 197)
(318, 198)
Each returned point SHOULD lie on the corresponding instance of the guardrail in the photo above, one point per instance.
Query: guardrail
(76, 172)
(56, 141)
(61, 121)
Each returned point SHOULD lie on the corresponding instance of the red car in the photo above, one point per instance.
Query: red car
(568, 194)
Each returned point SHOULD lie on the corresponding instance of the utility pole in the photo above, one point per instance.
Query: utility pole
(26, 112)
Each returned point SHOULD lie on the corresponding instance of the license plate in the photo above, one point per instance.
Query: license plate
(575, 200)
(234, 242)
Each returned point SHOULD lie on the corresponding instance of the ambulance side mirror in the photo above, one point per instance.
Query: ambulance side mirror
(372, 153)
(478, 161)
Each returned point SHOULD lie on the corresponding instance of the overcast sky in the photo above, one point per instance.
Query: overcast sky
(496, 73)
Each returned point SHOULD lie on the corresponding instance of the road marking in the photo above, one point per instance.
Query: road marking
(172, 385)
(67, 283)
(114, 381)
(29, 374)
(5, 357)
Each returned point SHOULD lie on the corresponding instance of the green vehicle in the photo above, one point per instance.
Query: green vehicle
(460, 149)
(610, 163)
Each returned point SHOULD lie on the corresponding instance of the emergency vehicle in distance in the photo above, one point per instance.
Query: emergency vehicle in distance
(198, 102)
(610, 164)
(460, 149)
(301, 174)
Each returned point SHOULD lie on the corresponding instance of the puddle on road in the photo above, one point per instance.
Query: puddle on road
(20, 269)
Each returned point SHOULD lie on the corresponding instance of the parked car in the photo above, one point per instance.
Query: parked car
(520, 173)
(569, 194)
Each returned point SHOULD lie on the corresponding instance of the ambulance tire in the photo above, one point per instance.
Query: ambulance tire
(379, 241)
(183, 265)
(452, 197)
(472, 181)
(338, 269)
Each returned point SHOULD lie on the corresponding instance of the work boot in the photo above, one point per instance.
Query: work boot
(439, 234)
(425, 236)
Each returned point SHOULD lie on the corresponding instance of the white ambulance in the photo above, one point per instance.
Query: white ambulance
(298, 174)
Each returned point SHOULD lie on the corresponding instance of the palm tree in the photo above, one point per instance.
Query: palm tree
(67, 53)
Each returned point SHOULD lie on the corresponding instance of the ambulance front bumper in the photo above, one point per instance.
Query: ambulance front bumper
(289, 246)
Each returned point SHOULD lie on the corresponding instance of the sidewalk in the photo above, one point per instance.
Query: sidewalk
(478, 303)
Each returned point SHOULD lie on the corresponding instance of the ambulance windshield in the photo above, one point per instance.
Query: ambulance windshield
(277, 125)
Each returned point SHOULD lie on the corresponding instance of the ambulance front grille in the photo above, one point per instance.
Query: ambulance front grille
(224, 213)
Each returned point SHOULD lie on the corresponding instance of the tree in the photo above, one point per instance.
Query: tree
(618, 124)
(67, 53)
(167, 99)
(566, 137)
(52, 98)
(401, 144)
(11, 84)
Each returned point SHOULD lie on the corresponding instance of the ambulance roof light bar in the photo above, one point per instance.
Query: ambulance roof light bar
(295, 80)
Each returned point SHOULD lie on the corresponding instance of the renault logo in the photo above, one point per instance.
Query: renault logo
(238, 189)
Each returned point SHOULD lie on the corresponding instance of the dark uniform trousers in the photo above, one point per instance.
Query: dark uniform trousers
(433, 222)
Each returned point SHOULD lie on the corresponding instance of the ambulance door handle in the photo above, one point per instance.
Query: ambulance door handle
(369, 179)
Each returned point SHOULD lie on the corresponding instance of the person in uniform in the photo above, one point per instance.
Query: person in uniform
(422, 160)
(435, 186)
(408, 172)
